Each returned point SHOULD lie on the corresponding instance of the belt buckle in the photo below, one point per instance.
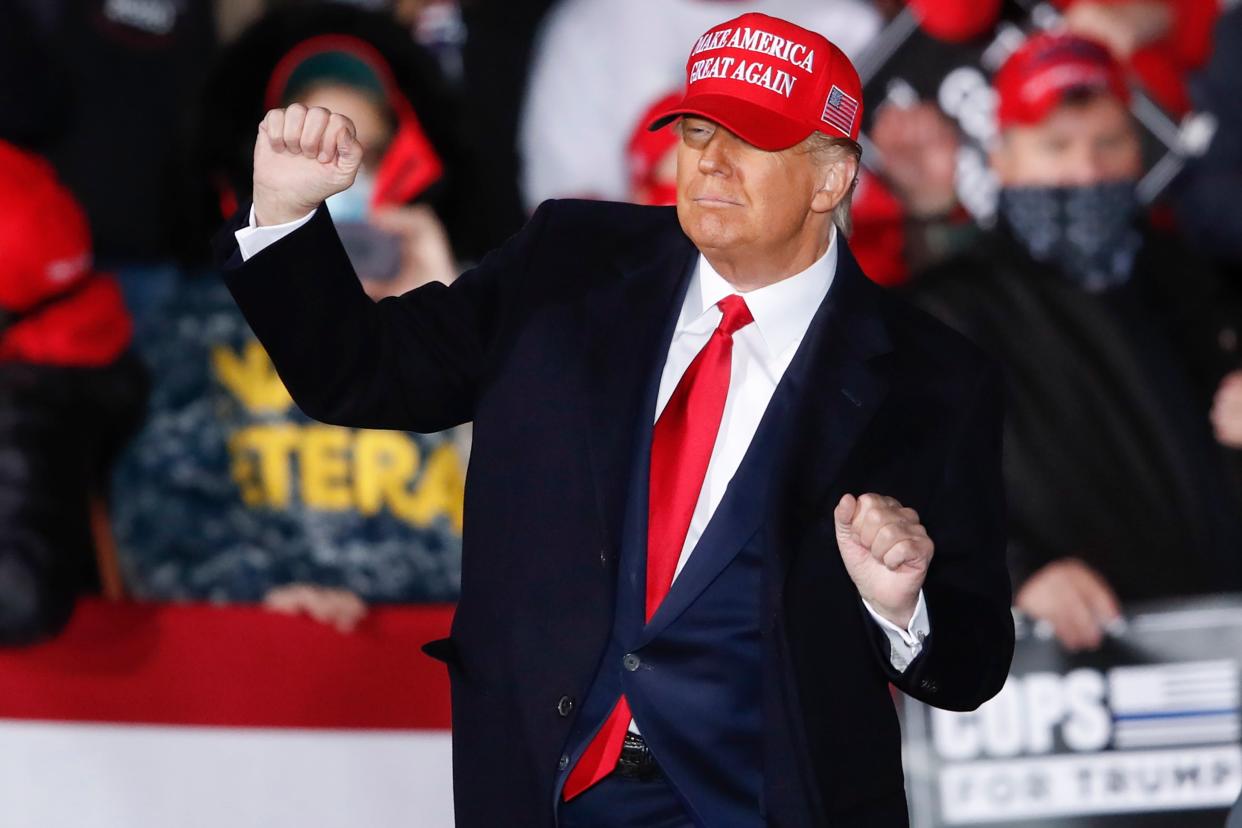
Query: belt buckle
(636, 761)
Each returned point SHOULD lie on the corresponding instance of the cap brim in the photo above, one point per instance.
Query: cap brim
(1060, 82)
(1036, 111)
(754, 124)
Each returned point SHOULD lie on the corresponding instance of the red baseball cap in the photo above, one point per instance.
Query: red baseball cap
(1047, 67)
(47, 254)
(43, 232)
(646, 147)
(956, 21)
(770, 82)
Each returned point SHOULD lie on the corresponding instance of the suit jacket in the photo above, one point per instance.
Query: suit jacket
(549, 345)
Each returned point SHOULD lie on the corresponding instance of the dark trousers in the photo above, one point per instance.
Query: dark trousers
(617, 802)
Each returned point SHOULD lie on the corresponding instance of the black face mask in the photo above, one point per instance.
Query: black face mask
(1086, 231)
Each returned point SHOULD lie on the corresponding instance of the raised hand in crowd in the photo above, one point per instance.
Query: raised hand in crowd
(426, 255)
(1227, 411)
(1123, 27)
(337, 608)
(1074, 599)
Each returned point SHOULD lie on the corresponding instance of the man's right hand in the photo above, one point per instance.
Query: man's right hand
(301, 156)
(1074, 599)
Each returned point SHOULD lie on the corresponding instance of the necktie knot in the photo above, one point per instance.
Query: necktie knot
(736, 315)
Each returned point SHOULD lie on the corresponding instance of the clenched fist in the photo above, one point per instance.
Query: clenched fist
(886, 552)
(302, 156)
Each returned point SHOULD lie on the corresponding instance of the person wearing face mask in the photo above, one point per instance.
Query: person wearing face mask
(394, 246)
(675, 610)
(1114, 339)
(230, 493)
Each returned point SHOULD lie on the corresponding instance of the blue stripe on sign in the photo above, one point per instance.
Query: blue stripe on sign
(1178, 714)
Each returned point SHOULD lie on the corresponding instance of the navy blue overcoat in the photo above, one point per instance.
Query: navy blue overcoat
(548, 346)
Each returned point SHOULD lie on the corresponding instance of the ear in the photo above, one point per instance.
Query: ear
(837, 179)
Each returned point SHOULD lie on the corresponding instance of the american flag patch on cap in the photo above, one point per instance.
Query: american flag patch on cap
(840, 110)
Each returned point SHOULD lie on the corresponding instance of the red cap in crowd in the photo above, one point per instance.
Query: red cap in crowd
(770, 82)
(47, 263)
(1047, 67)
(43, 234)
(645, 150)
(956, 21)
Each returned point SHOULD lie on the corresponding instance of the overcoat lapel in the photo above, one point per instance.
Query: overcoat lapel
(627, 329)
(840, 394)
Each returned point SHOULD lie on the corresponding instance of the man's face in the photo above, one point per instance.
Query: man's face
(735, 197)
(1078, 144)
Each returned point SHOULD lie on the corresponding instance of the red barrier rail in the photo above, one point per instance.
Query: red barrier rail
(197, 664)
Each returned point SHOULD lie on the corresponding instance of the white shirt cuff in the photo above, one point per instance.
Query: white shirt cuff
(252, 239)
(904, 645)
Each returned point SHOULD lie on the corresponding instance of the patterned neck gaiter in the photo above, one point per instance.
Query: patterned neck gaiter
(1086, 231)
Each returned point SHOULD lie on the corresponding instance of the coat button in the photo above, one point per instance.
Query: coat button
(603, 557)
(564, 763)
(631, 662)
(565, 706)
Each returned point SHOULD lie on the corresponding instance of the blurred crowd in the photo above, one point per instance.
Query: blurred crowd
(1054, 179)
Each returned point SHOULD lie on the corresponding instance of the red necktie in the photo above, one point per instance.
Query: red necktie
(681, 447)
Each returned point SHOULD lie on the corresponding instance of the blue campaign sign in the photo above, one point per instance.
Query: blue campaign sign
(1143, 732)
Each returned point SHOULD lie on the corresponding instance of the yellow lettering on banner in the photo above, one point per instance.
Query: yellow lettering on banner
(440, 490)
(342, 469)
(270, 445)
(384, 464)
(251, 378)
(245, 471)
(325, 468)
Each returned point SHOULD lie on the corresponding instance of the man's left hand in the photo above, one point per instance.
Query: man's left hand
(886, 552)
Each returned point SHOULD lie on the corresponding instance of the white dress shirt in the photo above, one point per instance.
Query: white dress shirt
(252, 238)
(761, 353)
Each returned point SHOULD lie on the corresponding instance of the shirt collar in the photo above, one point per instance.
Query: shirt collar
(782, 310)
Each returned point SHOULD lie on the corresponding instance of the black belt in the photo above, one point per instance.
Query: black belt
(636, 761)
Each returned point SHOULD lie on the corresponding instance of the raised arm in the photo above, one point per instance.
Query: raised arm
(412, 362)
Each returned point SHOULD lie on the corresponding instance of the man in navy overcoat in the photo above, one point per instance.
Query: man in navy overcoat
(723, 489)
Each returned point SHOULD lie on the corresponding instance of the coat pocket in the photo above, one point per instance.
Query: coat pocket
(443, 649)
